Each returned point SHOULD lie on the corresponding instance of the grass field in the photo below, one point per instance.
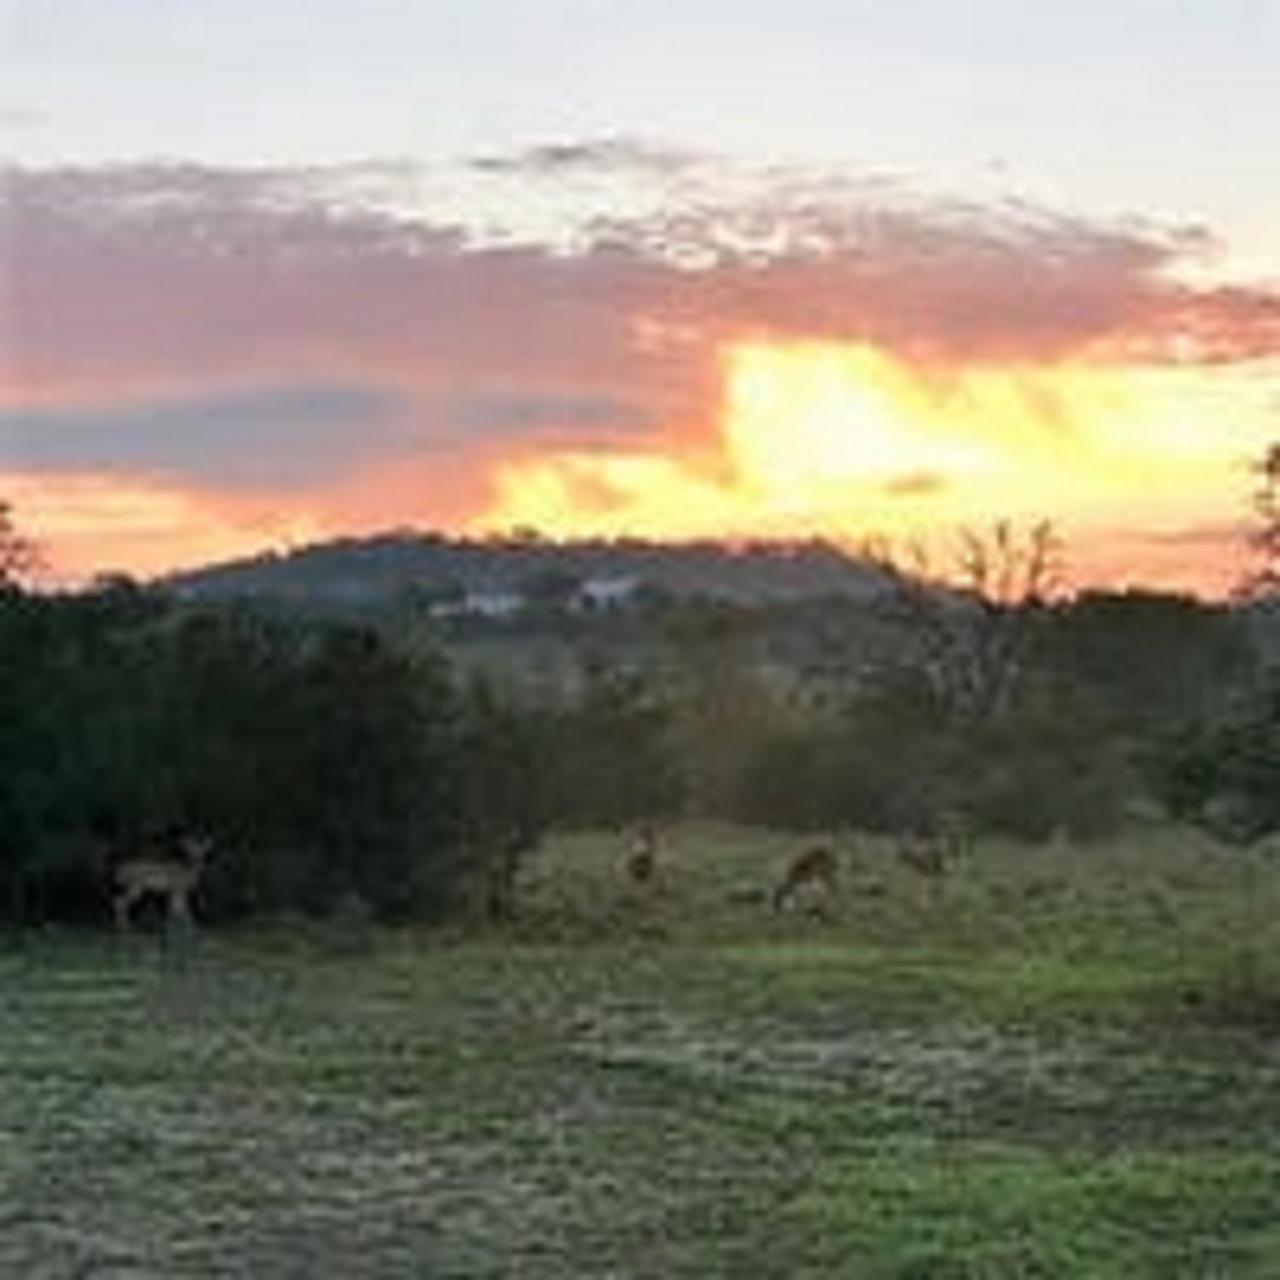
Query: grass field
(1067, 1065)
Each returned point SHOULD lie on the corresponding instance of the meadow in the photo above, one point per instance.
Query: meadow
(1067, 1063)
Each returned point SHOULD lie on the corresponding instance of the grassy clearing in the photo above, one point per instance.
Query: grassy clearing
(1069, 1065)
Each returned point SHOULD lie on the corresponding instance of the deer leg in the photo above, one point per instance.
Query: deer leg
(932, 888)
(827, 903)
(180, 910)
(123, 903)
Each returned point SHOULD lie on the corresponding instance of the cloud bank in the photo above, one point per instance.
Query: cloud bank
(277, 438)
(233, 330)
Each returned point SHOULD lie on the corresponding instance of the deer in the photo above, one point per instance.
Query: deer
(171, 878)
(926, 855)
(642, 859)
(815, 866)
(931, 851)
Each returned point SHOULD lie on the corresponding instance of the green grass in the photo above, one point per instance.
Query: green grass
(1066, 1065)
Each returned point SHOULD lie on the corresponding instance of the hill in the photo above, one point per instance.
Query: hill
(481, 574)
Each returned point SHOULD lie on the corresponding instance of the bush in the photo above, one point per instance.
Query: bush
(612, 759)
(897, 759)
(797, 778)
(322, 760)
(1222, 769)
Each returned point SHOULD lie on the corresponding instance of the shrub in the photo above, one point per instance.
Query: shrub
(1223, 769)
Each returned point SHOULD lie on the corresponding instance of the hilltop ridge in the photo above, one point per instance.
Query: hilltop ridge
(379, 569)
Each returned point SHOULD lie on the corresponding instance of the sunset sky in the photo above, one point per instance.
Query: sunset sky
(277, 271)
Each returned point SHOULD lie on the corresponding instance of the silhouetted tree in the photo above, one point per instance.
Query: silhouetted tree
(1265, 536)
(1147, 656)
(19, 555)
(968, 630)
(1221, 767)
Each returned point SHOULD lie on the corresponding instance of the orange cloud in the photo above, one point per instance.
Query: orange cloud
(244, 355)
(91, 524)
(850, 441)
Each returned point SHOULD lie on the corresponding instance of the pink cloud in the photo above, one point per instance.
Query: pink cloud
(157, 277)
(142, 298)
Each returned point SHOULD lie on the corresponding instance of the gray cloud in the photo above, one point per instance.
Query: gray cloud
(498, 411)
(268, 438)
(593, 155)
(129, 281)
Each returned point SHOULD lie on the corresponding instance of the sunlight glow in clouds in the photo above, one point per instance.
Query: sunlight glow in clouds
(600, 269)
(848, 441)
(100, 524)
(211, 363)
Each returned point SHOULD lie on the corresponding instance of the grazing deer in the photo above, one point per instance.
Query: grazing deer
(170, 878)
(642, 860)
(814, 867)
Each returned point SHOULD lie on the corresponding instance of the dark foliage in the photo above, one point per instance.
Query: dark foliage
(1264, 581)
(505, 765)
(338, 762)
(615, 759)
(1223, 769)
(321, 760)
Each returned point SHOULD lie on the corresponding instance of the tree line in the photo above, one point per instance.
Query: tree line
(332, 761)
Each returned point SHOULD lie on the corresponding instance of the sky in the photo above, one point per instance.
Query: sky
(273, 272)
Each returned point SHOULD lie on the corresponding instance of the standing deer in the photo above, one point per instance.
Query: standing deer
(926, 855)
(931, 852)
(642, 859)
(815, 866)
(171, 878)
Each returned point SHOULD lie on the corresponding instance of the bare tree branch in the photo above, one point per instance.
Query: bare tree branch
(971, 628)
(19, 555)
